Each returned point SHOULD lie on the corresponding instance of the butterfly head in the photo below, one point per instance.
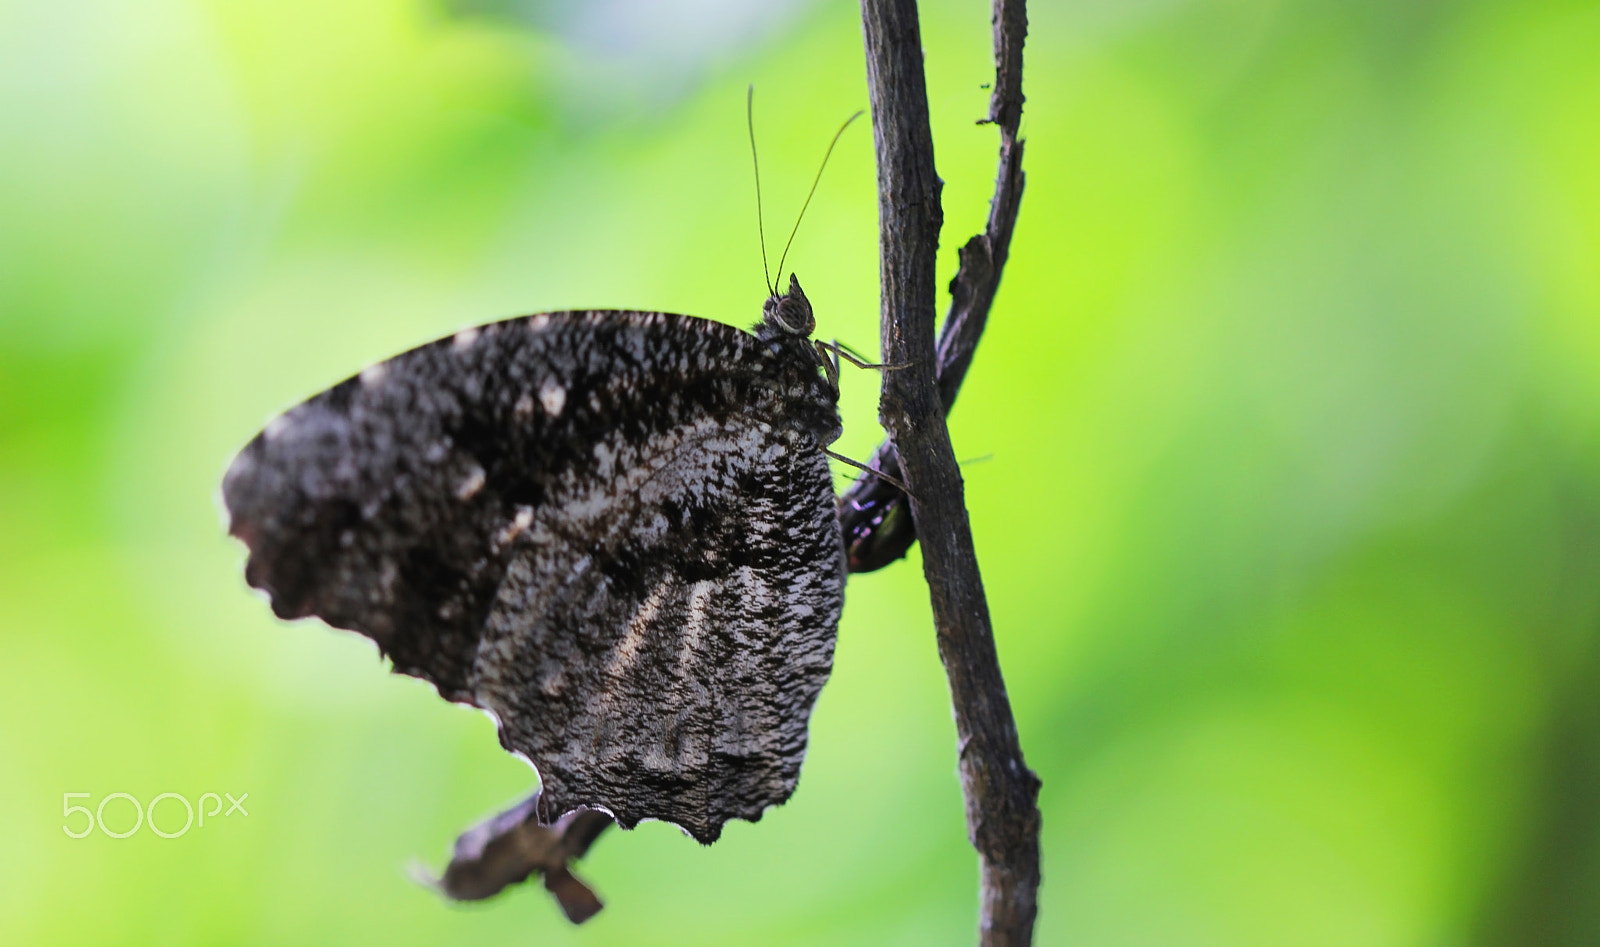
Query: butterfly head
(789, 314)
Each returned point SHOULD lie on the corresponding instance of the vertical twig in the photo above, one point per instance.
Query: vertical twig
(1000, 790)
(872, 510)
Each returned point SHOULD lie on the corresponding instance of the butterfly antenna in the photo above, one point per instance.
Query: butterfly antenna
(761, 230)
(815, 181)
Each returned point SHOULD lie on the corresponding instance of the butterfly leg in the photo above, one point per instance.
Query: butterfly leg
(841, 352)
(830, 362)
(876, 473)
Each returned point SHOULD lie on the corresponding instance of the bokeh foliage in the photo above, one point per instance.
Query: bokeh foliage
(1291, 529)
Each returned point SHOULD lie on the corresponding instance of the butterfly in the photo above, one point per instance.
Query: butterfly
(615, 531)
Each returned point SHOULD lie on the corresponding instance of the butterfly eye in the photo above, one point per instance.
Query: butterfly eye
(794, 316)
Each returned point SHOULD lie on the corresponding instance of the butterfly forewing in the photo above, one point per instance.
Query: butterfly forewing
(614, 530)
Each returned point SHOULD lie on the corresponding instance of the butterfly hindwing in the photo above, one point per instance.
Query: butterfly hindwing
(614, 530)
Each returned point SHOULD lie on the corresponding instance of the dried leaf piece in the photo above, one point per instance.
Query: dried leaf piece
(506, 848)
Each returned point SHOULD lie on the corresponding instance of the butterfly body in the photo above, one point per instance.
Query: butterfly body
(614, 530)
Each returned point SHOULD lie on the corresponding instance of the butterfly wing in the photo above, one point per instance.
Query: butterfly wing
(615, 531)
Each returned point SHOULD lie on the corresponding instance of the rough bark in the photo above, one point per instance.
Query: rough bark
(873, 510)
(1000, 790)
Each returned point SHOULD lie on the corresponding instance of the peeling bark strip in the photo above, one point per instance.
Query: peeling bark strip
(872, 511)
(1000, 790)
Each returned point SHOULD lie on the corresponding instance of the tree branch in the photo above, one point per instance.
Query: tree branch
(873, 512)
(1000, 791)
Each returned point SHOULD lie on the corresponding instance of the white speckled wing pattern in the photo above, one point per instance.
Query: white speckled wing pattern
(614, 530)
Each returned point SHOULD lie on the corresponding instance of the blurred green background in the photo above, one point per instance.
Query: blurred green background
(1291, 530)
